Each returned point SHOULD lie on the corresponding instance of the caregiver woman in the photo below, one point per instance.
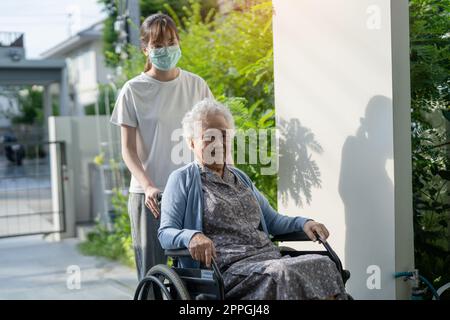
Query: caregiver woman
(149, 108)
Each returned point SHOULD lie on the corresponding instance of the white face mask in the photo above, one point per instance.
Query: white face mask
(164, 58)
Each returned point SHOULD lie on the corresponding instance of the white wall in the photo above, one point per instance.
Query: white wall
(342, 91)
(86, 70)
(83, 137)
(8, 105)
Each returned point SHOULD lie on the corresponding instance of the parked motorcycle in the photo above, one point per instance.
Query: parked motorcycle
(14, 151)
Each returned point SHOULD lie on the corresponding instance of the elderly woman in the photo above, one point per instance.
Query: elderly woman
(214, 210)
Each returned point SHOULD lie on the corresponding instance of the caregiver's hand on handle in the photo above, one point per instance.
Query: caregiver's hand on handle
(151, 200)
(202, 249)
(312, 227)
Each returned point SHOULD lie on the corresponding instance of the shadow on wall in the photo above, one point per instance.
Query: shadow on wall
(300, 172)
(368, 196)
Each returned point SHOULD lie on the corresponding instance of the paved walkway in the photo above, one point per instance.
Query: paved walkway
(32, 268)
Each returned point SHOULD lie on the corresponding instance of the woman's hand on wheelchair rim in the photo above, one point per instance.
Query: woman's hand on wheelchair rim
(311, 227)
(202, 249)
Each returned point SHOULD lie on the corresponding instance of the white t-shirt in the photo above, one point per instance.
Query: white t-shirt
(156, 109)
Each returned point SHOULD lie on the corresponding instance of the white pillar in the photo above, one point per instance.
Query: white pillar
(64, 107)
(62, 177)
(47, 102)
(342, 97)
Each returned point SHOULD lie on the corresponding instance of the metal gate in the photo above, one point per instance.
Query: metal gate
(31, 188)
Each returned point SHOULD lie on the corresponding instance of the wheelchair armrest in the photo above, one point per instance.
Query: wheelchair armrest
(301, 236)
(177, 252)
(292, 236)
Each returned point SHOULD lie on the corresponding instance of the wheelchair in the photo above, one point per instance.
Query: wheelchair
(174, 283)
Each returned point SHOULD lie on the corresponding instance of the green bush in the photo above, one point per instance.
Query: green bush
(106, 96)
(430, 62)
(147, 7)
(114, 244)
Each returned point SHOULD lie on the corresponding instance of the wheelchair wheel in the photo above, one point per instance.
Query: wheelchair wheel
(161, 283)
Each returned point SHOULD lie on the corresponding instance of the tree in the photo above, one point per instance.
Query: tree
(430, 60)
(147, 8)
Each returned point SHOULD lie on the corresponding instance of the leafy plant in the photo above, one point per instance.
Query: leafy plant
(30, 106)
(114, 244)
(430, 60)
(107, 96)
(147, 7)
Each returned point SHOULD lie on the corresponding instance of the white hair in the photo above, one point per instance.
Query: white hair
(200, 113)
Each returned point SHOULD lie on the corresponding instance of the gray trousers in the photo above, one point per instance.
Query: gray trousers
(144, 231)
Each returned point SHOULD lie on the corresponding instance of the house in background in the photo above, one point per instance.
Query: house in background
(11, 49)
(8, 105)
(16, 72)
(86, 69)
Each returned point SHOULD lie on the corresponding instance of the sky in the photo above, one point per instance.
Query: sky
(47, 22)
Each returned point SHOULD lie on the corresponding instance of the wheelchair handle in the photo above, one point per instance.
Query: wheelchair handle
(331, 252)
(318, 237)
(158, 200)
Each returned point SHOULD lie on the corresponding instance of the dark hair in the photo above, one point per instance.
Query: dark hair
(155, 27)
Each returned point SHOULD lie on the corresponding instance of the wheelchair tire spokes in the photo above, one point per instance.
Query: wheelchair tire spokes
(154, 284)
(157, 291)
(165, 283)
